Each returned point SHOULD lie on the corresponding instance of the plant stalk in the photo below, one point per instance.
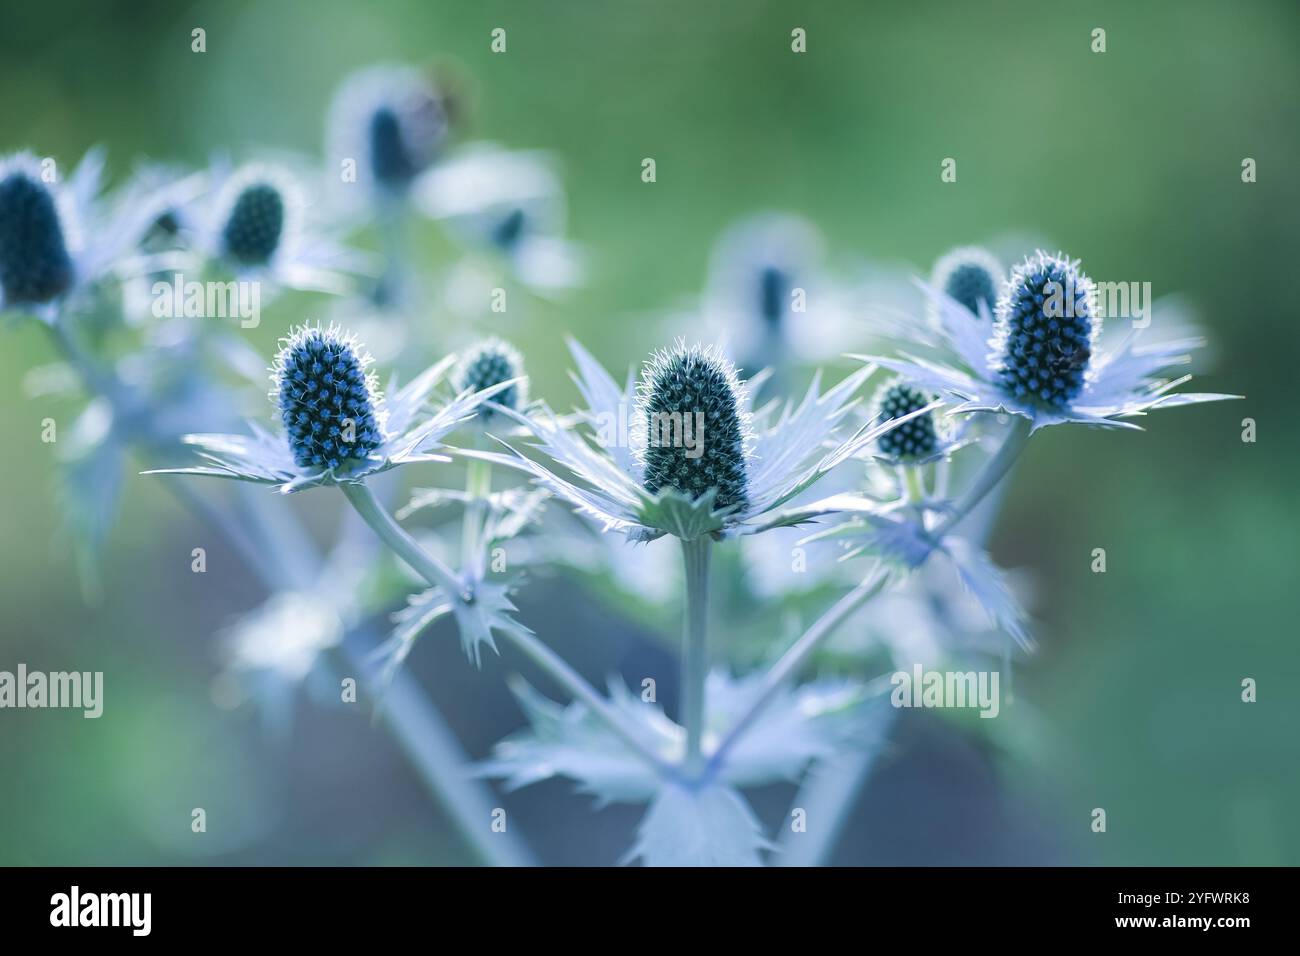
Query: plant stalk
(439, 575)
(695, 647)
(794, 658)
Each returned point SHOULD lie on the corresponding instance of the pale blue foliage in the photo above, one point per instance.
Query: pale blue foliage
(705, 826)
(799, 725)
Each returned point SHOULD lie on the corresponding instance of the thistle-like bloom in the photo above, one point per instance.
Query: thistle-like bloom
(254, 223)
(489, 363)
(699, 385)
(1045, 360)
(337, 427)
(329, 401)
(54, 240)
(391, 121)
(970, 276)
(769, 297)
(684, 454)
(915, 440)
(510, 204)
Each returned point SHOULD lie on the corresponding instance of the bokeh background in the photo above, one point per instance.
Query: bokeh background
(1129, 159)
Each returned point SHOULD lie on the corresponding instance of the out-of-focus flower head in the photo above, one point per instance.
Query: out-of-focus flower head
(256, 223)
(972, 277)
(391, 122)
(509, 204)
(56, 242)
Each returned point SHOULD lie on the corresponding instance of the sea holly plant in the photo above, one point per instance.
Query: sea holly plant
(683, 452)
(699, 464)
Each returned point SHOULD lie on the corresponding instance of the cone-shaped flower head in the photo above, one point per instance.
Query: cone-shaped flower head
(1045, 331)
(506, 234)
(696, 433)
(912, 439)
(392, 120)
(34, 263)
(255, 224)
(773, 295)
(971, 276)
(328, 401)
(489, 363)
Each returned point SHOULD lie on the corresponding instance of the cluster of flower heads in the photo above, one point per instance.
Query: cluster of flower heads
(702, 460)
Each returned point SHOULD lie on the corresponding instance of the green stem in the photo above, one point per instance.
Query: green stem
(478, 487)
(695, 646)
(285, 558)
(400, 543)
(912, 483)
(993, 472)
(439, 575)
(798, 654)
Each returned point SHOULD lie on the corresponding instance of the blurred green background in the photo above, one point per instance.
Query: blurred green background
(1129, 159)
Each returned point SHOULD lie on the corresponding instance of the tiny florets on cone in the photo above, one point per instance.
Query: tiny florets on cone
(490, 363)
(255, 225)
(912, 439)
(691, 404)
(328, 401)
(1046, 329)
(969, 275)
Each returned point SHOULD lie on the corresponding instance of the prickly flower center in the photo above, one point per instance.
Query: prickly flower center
(253, 229)
(491, 363)
(34, 263)
(695, 438)
(970, 284)
(326, 400)
(1045, 328)
(912, 439)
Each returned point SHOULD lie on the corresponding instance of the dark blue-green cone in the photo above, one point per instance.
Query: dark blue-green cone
(971, 284)
(1046, 330)
(507, 233)
(773, 295)
(253, 229)
(912, 439)
(389, 156)
(490, 363)
(325, 398)
(35, 267)
(675, 388)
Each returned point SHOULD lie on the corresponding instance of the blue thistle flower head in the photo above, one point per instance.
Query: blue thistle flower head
(392, 120)
(255, 223)
(969, 275)
(692, 407)
(774, 286)
(328, 400)
(912, 439)
(489, 363)
(35, 266)
(1045, 332)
